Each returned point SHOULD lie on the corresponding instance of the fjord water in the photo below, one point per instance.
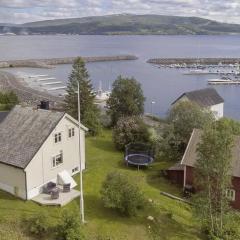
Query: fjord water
(162, 86)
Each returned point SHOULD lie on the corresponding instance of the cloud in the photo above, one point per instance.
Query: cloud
(19, 11)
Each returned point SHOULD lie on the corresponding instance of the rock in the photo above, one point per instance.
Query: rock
(150, 200)
(150, 218)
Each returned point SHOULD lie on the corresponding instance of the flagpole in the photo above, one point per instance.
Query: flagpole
(79, 152)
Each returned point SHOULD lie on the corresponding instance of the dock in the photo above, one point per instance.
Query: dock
(50, 83)
(37, 76)
(46, 79)
(57, 88)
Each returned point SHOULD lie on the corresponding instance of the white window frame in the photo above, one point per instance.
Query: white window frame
(71, 132)
(230, 193)
(57, 137)
(54, 160)
(76, 169)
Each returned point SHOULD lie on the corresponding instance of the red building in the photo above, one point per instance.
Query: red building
(186, 168)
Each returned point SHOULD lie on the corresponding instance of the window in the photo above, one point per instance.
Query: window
(57, 160)
(230, 194)
(74, 169)
(71, 132)
(58, 137)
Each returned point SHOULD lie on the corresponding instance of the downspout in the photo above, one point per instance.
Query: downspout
(26, 191)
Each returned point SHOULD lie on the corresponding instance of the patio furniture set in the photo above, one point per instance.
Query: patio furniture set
(52, 189)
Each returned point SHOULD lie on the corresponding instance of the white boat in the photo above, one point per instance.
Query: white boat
(196, 72)
(100, 95)
(224, 80)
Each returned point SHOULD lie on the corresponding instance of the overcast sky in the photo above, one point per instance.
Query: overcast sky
(19, 11)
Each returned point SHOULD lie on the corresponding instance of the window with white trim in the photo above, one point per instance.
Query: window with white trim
(57, 137)
(230, 193)
(71, 132)
(74, 169)
(57, 160)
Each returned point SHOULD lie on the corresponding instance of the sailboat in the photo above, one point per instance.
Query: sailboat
(102, 96)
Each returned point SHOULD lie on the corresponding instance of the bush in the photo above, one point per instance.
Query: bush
(128, 130)
(121, 193)
(69, 228)
(39, 224)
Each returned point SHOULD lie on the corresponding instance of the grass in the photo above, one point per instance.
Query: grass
(173, 220)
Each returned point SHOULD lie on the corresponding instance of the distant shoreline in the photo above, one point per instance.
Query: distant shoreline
(51, 62)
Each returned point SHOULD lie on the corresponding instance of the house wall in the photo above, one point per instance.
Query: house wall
(236, 187)
(218, 110)
(12, 180)
(175, 176)
(40, 170)
(189, 178)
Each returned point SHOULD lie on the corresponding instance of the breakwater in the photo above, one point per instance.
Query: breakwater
(51, 62)
(190, 61)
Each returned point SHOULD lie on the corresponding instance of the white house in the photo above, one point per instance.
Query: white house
(207, 98)
(37, 147)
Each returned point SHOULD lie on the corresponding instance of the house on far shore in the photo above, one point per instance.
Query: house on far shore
(183, 172)
(207, 98)
(37, 147)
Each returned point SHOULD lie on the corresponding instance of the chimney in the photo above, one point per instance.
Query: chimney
(44, 105)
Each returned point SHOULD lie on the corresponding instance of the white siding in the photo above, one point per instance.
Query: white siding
(40, 170)
(12, 180)
(218, 110)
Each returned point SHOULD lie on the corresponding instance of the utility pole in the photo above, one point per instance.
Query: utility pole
(79, 151)
(152, 102)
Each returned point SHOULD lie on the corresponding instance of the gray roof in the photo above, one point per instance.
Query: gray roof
(190, 155)
(23, 132)
(204, 97)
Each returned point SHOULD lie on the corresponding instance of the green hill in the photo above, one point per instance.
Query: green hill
(126, 24)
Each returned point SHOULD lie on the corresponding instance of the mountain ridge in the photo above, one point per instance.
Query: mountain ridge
(125, 24)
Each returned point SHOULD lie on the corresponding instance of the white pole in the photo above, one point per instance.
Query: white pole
(79, 146)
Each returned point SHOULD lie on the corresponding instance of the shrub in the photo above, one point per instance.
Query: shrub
(121, 193)
(130, 129)
(69, 228)
(39, 224)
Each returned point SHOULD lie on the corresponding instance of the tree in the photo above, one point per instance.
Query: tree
(182, 119)
(128, 130)
(121, 193)
(126, 99)
(212, 177)
(8, 100)
(90, 114)
(69, 227)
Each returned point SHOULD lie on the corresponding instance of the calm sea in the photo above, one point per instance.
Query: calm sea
(162, 86)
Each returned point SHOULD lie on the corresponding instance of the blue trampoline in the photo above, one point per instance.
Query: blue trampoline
(138, 154)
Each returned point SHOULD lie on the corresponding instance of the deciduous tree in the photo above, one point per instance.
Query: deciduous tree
(126, 99)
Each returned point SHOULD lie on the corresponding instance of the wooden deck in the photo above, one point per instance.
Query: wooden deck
(64, 198)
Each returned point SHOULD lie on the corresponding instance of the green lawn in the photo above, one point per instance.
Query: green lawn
(173, 220)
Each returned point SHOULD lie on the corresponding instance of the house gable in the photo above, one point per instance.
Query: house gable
(41, 169)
